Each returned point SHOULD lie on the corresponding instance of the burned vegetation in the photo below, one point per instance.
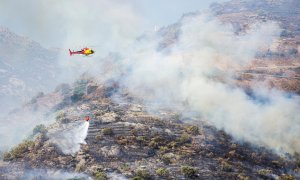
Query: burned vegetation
(124, 138)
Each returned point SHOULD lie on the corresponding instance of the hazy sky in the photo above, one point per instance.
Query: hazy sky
(56, 23)
(164, 12)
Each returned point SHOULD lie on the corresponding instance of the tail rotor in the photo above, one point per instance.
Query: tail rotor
(71, 53)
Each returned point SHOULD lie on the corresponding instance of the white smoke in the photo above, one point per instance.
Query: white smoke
(15, 128)
(115, 176)
(197, 74)
(70, 137)
(52, 175)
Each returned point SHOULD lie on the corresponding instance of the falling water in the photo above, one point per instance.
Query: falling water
(69, 139)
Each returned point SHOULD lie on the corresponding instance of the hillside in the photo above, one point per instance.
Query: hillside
(278, 65)
(242, 12)
(123, 138)
(26, 68)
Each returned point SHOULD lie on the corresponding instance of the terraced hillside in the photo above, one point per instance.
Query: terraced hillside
(276, 66)
(124, 138)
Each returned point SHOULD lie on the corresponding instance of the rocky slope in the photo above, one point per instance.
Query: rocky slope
(277, 66)
(125, 139)
(243, 12)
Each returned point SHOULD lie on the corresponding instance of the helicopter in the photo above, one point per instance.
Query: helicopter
(85, 51)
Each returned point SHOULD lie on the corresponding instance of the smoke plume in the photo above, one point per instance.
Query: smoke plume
(197, 74)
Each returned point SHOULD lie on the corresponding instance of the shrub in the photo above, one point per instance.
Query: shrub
(166, 159)
(39, 129)
(285, 33)
(231, 153)
(35, 98)
(61, 118)
(172, 144)
(193, 130)
(122, 140)
(137, 178)
(76, 97)
(153, 144)
(162, 172)
(163, 149)
(177, 117)
(134, 132)
(184, 138)
(79, 167)
(287, 177)
(79, 89)
(226, 166)
(101, 176)
(63, 88)
(107, 131)
(188, 171)
(98, 137)
(7, 156)
(233, 146)
(76, 178)
(293, 51)
(264, 172)
(60, 115)
(18, 152)
(143, 173)
(98, 113)
(156, 141)
(141, 139)
(125, 167)
(243, 177)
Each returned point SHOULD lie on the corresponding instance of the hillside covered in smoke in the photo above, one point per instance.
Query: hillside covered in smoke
(213, 96)
(26, 68)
